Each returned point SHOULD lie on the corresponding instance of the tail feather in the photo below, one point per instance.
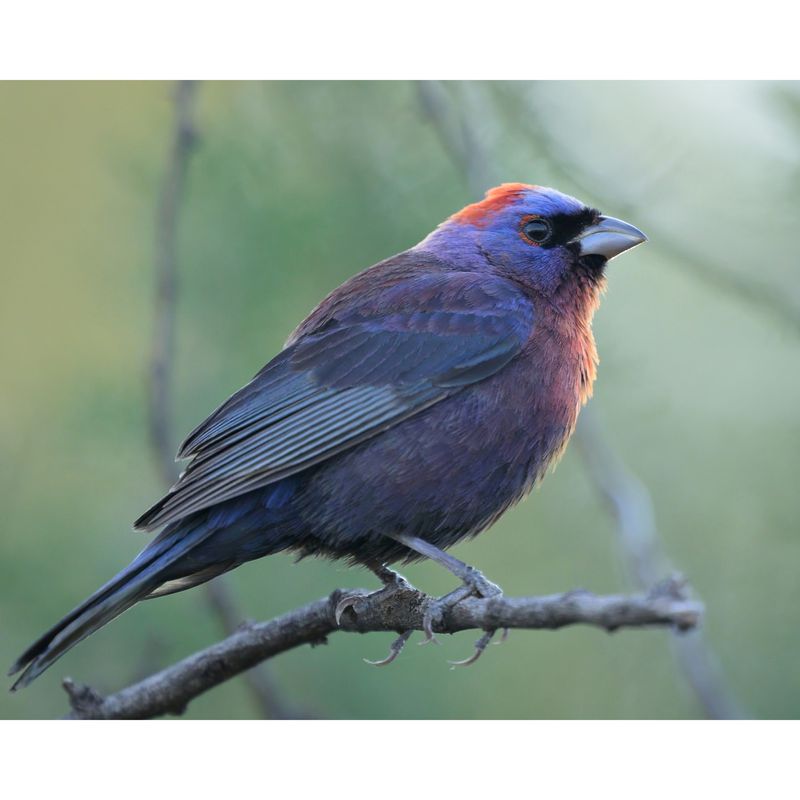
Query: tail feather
(141, 578)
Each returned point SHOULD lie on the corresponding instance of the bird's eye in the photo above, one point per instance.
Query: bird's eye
(536, 230)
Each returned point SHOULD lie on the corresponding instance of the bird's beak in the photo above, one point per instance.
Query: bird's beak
(608, 238)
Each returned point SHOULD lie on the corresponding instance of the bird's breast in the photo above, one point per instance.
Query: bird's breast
(451, 470)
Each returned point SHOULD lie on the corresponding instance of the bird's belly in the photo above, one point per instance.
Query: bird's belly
(442, 475)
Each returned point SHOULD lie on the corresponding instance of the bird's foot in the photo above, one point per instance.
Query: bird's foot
(475, 585)
(480, 585)
(393, 582)
(437, 608)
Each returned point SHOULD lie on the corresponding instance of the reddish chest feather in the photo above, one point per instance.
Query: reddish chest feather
(556, 372)
(564, 334)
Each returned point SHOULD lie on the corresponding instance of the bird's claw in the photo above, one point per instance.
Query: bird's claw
(427, 625)
(503, 637)
(480, 646)
(394, 650)
(348, 601)
(475, 584)
(430, 638)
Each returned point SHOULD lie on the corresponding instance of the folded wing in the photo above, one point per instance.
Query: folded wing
(358, 374)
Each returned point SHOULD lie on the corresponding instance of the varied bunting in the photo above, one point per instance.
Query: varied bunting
(409, 410)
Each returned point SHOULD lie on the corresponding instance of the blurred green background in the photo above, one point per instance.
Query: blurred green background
(294, 187)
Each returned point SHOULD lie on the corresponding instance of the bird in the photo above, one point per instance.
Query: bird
(409, 410)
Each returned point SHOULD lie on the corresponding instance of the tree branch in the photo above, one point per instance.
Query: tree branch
(170, 691)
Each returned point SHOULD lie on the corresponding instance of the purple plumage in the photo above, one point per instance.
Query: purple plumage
(412, 407)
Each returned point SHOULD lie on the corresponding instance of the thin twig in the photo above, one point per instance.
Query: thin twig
(170, 201)
(163, 345)
(170, 691)
(627, 497)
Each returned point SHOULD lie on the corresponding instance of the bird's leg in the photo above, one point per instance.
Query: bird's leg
(474, 584)
(392, 582)
(472, 578)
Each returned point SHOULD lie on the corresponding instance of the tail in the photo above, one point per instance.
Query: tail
(154, 572)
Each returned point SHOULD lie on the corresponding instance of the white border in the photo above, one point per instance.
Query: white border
(502, 39)
(387, 760)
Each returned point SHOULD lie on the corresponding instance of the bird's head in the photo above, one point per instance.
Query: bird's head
(534, 234)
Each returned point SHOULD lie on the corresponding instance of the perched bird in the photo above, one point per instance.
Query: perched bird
(409, 410)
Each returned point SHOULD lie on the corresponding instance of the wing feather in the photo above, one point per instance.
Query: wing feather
(337, 387)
